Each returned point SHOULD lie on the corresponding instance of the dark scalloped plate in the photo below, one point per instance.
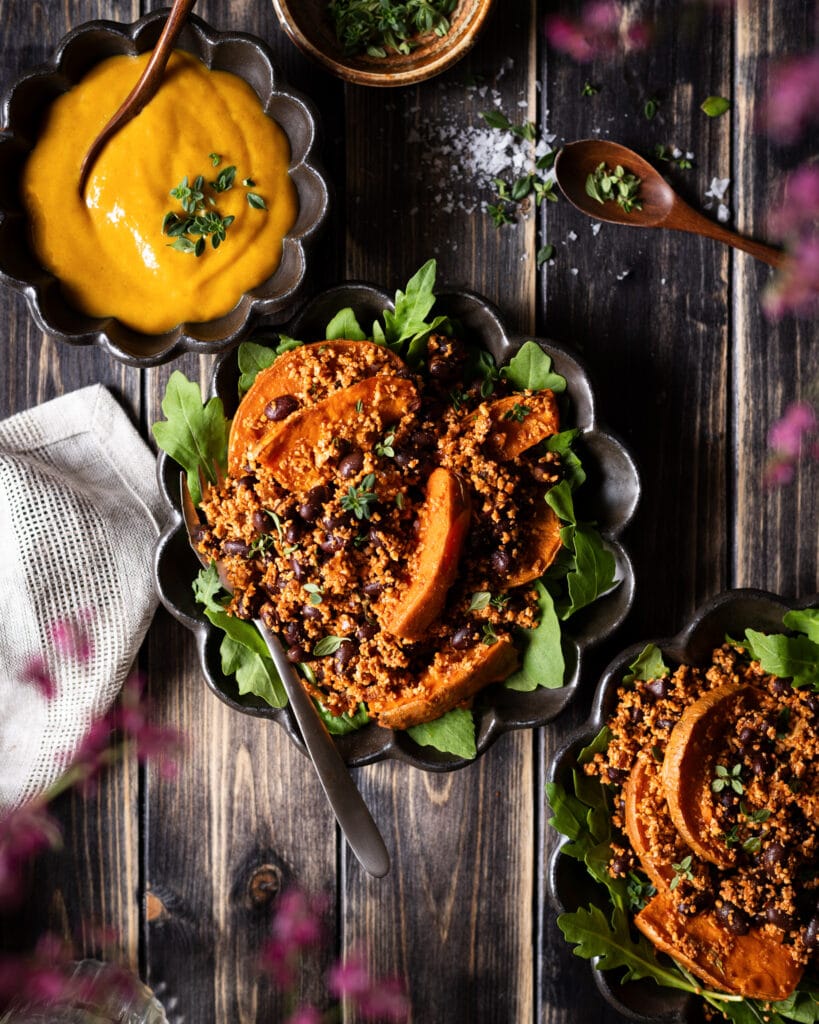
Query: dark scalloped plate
(609, 496)
(729, 613)
(21, 111)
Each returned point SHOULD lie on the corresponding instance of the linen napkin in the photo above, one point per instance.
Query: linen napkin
(79, 515)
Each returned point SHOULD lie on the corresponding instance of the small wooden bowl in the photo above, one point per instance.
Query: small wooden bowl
(311, 29)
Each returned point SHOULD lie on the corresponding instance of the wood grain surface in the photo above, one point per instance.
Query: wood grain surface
(689, 374)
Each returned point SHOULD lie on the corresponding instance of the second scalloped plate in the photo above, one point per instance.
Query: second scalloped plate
(608, 497)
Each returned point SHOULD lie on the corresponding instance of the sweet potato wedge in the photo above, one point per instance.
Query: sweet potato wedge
(541, 545)
(693, 752)
(444, 520)
(755, 965)
(451, 678)
(643, 789)
(521, 421)
(292, 374)
(296, 449)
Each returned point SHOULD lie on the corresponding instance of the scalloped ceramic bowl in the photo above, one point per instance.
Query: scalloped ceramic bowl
(609, 496)
(22, 110)
(309, 26)
(729, 613)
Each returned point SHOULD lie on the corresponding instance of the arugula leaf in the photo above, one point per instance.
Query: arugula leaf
(412, 306)
(530, 369)
(592, 573)
(253, 358)
(452, 733)
(340, 725)
(790, 657)
(572, 467)
(647, 665)
(804, 621)
(254, 674)
(613, 945)
(345, 325)
(543, 663)
(193, 434)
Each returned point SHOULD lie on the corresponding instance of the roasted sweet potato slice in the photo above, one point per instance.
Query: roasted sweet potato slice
(444, 521)
(694, 749)
(647, 821)
(296, 449)
(293, 373)
(755, 965)
(521, 421)
(541, 545)
(451, 678)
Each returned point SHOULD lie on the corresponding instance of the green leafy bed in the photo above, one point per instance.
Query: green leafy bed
(603, 930)
(195, 435)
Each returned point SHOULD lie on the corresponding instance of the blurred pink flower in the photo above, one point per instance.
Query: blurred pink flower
(71, 638)
(375, 999)
(599, 31)
(791, 438)
(36, 672)
(793, 98)
(24, 833)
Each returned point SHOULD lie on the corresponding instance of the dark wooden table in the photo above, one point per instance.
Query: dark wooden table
(690, 374)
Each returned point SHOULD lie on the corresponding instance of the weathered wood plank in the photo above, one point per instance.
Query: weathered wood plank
(454, 918)
(777, 529)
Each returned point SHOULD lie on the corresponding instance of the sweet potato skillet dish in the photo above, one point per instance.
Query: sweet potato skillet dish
(714, 782)
(389, 510)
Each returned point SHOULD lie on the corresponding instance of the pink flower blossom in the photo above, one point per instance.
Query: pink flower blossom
(375, 999)
(791, 438)
(71, 638)
(24, 833)
(793, 98)
(599, 31)
(36, 672)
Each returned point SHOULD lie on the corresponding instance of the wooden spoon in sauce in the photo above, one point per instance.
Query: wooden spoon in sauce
(145, 89)
(662, 207)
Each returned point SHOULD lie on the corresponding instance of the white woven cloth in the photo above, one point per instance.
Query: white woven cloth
(79, 516)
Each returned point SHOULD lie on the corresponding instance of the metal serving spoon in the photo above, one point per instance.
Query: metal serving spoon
(662, 207)
(145, 89)
(352, 814)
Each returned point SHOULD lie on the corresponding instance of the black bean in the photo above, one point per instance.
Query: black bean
(777, 917)
(773, 857)
(351, 464)
(262, 523)
(372, 588)
(657, 688)
(281, 407)
(235, 547)
(309, 511)
(293, 532)
(344, 655)
(464, 637)
(733, 918)
(292, 633)
(297, 653)
(366, 631)
(500, 562)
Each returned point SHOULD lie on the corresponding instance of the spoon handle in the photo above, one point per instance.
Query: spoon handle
(145, 88)
(688, 219)
(348, 805)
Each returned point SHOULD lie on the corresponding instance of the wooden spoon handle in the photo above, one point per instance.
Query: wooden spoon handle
(144, 90)
(684, 218)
